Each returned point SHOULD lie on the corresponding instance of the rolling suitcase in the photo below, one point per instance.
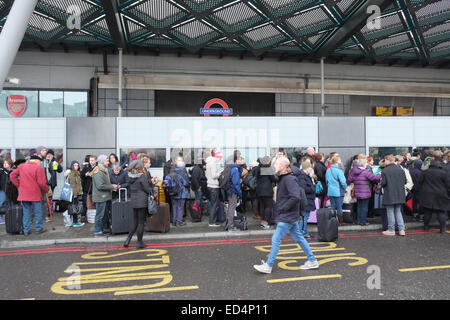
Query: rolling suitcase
(195, 211)
(14, 219)
(121, 214)
(160, 221)
(327, 225)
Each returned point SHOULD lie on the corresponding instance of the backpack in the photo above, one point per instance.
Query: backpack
(225, 178)
(303, 200)
(172, 185)
(250, 181)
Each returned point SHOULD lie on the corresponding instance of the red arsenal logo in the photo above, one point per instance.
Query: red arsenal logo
(16, 105)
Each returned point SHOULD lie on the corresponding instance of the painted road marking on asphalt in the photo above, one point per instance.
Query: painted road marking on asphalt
(120, 293)
(328, 276)
(424, 268)
(30, 299)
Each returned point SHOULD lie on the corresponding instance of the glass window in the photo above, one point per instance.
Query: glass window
(75, 104)
(27, 153)
(18, 104)
(51, 104)
(250, 155)
(378, 153)
(294, 154)
(428, 151)
(157, 156)
(191, 156)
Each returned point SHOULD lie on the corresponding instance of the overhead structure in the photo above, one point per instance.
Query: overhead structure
(412, 33)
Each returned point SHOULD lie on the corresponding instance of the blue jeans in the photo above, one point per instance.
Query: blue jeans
(304, 224)
(336, 203)
(2, 197)
(198, 197)
(363, 208)
(282, 229)
(214, 204)
(394, 213)
(100, 209)
(37, 209)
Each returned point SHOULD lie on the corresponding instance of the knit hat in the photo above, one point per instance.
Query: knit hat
(73, 162)
(102, 158)
(50, 151)
(38, 149)
(264, 160)
(34, 151)
(136, 164)
(35, 157)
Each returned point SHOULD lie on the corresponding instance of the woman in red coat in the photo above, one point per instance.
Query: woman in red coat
(30, 179)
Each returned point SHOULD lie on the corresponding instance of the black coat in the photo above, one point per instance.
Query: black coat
(264, 186)
(321, 170)
(53, 177)
(393, 180)
(198, 179)
(307, 184)
(86, 182)
(435, 188)
(287, 207)
(119, 179)
(4, 177)
(140, 187)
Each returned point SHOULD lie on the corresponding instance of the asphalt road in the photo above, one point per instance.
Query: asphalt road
(222, 269)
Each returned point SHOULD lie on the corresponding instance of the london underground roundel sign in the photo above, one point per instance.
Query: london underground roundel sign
(225, 110)
(16, 105)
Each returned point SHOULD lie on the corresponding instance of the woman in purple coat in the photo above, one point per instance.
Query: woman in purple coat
(362, 179)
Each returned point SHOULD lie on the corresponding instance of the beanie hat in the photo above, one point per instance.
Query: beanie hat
(50, 151)
(33, 151)
(73, 162)
(35, 157)
(102, 158)
(38, 149)
(136, 164)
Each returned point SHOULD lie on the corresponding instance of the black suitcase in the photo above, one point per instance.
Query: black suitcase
(14, 219)
(327, 225)
(121, 214)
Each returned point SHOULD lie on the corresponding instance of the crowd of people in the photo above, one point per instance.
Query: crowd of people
(401, 183)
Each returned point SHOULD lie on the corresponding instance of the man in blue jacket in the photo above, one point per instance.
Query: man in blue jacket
(235, 192)
(287, 217)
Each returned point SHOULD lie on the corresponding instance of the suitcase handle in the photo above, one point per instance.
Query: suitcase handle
(126, 194)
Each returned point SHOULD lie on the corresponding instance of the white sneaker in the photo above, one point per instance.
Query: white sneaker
(310, 265)
(263, 267)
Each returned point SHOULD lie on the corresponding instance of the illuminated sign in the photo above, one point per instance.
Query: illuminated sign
(225, 110)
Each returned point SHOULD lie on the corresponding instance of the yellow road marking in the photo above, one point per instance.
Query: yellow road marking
(328, 276)
(120, 293)
(27, 299)
(424, 268)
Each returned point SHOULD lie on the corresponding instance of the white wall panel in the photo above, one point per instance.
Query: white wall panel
(432, 132)
(6, 133)
(389, 132)
(215, 132)
(35, 132)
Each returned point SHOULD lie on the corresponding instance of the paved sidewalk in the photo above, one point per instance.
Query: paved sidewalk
(201, 230)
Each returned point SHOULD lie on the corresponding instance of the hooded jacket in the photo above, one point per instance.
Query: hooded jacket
(74, 179)
(212, 173)
(140, 187)
(183, 181)
(287, 206)
(32, 182)
(310, 190)
(101, 185)
(362, 178)
(435, 187)
(235, 176)
(416, 172)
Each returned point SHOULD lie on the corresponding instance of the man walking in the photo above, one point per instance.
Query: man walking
(101, 193)
(30, 179)
(393, 181)
(287, 215)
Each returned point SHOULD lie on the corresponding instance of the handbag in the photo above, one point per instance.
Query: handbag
(66, 193)
(76, 207)
(153, 204)
(90, 204)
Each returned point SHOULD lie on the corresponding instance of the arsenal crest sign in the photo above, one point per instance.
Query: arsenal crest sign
(16, 105)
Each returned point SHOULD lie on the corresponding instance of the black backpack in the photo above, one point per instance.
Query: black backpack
(250, 181)
(225, 178)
